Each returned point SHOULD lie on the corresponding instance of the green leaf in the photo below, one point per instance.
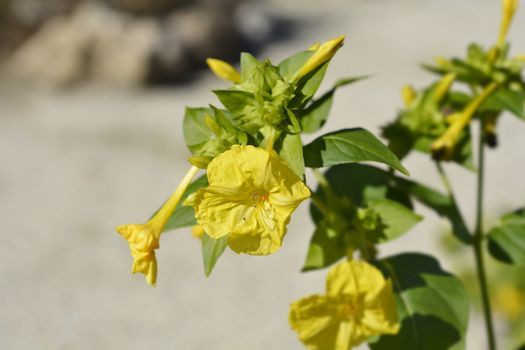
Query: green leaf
(512, 101)
(326, 247)
(212, 250)
(349, 146)
(184, 216)
(292, 64)
(234, 100)
(196, 133)
(248, 66)
(507, 240)
(443, 205)
(396, 218)
(433, 305)
(292, 152)
(315, 115)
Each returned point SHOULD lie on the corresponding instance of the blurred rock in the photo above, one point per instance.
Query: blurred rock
(188, 37)
(94, 43)
(97, 42)
(148, 7)
(21, 18)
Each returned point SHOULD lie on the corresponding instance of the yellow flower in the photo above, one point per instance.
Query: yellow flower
(323, 53)
(143, 239)
(197, 231)
(443, 147)
(251, 196)
(224, 70)
(359, 303)
(509, 9)
(408, 94)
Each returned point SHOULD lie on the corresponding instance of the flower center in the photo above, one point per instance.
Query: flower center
(257, 197)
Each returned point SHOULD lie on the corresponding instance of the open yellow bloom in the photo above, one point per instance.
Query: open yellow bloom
(359, 303)
(143, 239)
(251, 196)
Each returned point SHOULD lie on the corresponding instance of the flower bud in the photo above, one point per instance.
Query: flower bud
(224, 70)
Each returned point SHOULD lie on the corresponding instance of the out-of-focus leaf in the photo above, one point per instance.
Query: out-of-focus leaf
(441, 204)
(507, 240)
(433, 305)
(326, 247)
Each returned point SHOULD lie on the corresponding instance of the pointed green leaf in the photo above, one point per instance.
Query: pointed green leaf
(234, 100)
(396, 218)
(212, 250)
(349, 146)
(433, 305)
(292, 152)
(507, 240)
(196, 133)
(443, 205)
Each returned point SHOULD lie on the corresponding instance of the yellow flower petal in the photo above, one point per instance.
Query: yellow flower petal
(313, 320)
(251, 196)
(359, 304)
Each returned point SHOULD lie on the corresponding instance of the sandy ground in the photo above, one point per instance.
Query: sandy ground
(76, 164)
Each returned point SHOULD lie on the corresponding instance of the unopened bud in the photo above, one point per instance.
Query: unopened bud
(224, 70)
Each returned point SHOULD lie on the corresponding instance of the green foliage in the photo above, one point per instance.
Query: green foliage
(212, 250)
(507, 240)
(363, 212)
(349, 146)
(433, 305)
(184, 216)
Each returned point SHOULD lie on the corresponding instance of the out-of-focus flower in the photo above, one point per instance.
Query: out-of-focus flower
(224, 70)
(143, 239)
(359, 303)
(251, 195)
(408, 94)
(509, 9)
(197, 231)
(510, 301)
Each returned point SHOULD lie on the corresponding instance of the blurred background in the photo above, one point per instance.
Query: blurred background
(92, 95)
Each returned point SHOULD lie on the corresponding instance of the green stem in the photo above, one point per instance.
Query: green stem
(478, 243)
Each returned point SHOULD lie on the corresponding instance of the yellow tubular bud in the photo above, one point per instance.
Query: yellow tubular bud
(509, 9)
(442, 87)
(143, 239)
(408, 94)
(489, 129)
(443, 147)
(224, 70)
(314, 46)
(442, 62)
(323, 53)
(212, 124)
(520, 58)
